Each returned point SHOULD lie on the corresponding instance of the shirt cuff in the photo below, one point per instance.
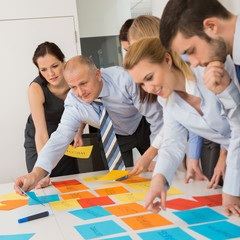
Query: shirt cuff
(230, 97)
(231, 182)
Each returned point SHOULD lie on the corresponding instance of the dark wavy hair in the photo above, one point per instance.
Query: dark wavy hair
(44, 49)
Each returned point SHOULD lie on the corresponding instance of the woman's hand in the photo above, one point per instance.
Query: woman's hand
(143, 162)
(157, 190)
(78, 141)
(219, 170)
(193, 171)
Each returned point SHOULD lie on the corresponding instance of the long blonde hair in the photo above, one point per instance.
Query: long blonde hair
(151, 49)
(144, 26)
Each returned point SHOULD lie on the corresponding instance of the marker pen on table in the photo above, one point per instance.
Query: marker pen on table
(33, 217)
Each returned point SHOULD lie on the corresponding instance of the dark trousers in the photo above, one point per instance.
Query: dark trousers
(209, 158)
(140, 139)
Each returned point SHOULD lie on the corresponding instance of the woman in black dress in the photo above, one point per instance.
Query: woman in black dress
(46, 94)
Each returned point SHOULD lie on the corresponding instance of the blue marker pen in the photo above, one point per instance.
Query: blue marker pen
(32, 217)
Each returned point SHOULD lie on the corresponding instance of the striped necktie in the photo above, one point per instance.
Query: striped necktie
(237, 67)
(109, 140)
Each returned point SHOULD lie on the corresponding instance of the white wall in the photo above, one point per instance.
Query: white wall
(157, 7)
(24, 24)
(102, 18)
(233, 5)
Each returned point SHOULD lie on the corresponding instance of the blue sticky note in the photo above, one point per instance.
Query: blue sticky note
(99, 229)
(171, 233)
(44, 199)
(119, 238)
(199, 215)
(91, 213)
(26, 236)
(218, 230)
(31, 195)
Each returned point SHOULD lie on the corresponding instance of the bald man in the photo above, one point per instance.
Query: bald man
(119, 95)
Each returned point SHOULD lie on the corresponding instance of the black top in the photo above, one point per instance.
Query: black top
(53, 109)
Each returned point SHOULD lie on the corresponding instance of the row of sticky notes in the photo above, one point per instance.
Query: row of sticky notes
(216, 230)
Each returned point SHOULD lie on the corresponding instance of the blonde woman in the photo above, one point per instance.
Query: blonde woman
(148, 26)
(187, 105)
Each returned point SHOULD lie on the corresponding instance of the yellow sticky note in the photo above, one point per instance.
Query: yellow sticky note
(79, 152)
(12, 196)
(130, 197)
(174, 191)
(140, 186)
(92, 178)
(113, 175)
(65, 204)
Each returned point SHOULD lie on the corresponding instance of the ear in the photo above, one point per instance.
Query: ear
(98, 75)
(211, 26)
(168, 59)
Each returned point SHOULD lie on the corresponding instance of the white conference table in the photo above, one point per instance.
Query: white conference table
(59, 225)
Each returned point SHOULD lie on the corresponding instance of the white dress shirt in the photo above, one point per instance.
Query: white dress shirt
(179, 117)
(121, 100)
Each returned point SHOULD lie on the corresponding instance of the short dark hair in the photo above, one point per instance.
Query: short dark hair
(44, 49)
(187, 16)
(123, 35)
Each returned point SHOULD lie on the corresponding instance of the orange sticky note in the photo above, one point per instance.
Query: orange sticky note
(97, 201)
(111, 191)
(146, 221)
(80, 195)
(72, 188)
(126, 209)
(135, 180)
(12, 204)
(65, 183)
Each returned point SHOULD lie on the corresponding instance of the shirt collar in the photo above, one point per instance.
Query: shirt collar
(190, 86)
(236, 45)
(105, 89)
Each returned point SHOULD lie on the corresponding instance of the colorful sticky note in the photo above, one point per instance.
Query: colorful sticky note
(111, 191)
(91, 213)
(130, 197)
(44, 199)
(12, 196)
(126, 209)
(99, 229)
(211, 200)
(79, 152)
(140, 186)
(12, 204)
(97, 201)
(33, 196)
(79, 195)
(119, 238)
(199, 215)
(183, 204)
(110, 184)
(170, 233)
(72, 188)
(174, 191)
(26, 236)
(64, 204)
(113, 175)
(146, 221)
(218, 230)
(92, 178)
(65, 183)
(135, 179)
